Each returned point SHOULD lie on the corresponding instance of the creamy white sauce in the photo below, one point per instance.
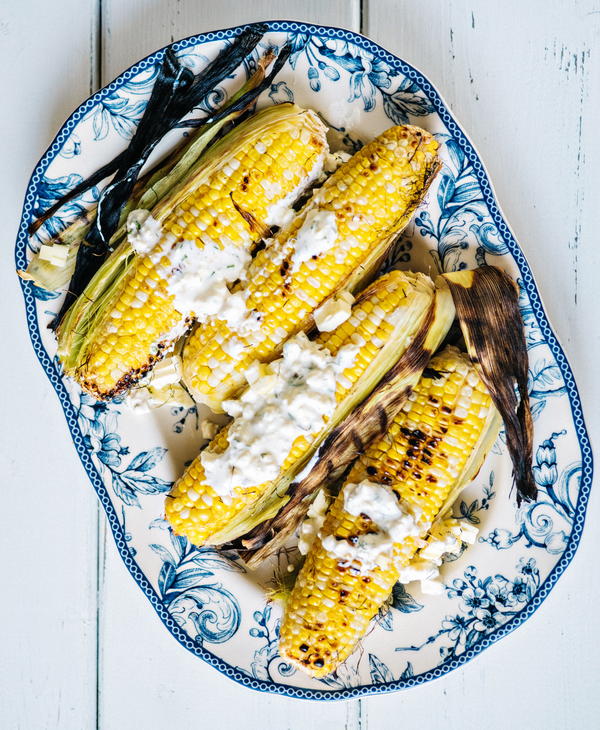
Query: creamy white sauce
(199, 277)
(196, 276)
(394, 522)
(143, 231)
(240, 320)
(317, 234)
(312, 523)
(294, 397)
(333, 312)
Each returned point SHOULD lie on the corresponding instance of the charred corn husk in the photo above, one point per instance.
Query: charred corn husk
(145, 303)
(384, 321)
(434, 447)
(340, 234)
(367, 422)
(495, 340)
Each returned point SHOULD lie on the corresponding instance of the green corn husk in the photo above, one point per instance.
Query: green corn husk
(286, 510)
(151, 189)
(78, 323)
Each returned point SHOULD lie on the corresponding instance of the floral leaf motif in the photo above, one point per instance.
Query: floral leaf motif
(408, 671)
(385, 619)
(119, 112)
(162, 553)
(147, 460)
(145, 483)
(267, 662)
(166, 577)
(457, 156)
(446, 189)
(202, 607)
(71, 147)
(280, 92)
(217, 562)
(405, 102)
(123, 490)
(51, 189)
(403, 601)
(180, 545)
(189, 578)
(485, 604)
(467, 511)
(380, 672)
(217, 616)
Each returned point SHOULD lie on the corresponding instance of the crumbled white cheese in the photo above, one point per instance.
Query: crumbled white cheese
(313, 522)
(56, 254)
(445, 538)
(166, 372)
(393, 520)
(199, 278)
(145, 398)
(294, 398)
(420, 570)
(333, 312)
(208, 429)
(317, 234)
(143, 231)
(334, 160)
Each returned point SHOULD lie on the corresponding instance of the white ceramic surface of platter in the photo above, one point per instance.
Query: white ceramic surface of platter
(207, 600)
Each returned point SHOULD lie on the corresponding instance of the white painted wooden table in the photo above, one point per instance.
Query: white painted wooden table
(81, 647)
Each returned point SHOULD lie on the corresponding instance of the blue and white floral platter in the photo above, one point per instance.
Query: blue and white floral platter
(207, 600)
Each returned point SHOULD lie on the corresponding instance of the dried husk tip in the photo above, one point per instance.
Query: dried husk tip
(487, 308)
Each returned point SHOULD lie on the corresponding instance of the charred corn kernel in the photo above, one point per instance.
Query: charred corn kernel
(382, 324)
(326, 247)
(437, 441)
(223, 208)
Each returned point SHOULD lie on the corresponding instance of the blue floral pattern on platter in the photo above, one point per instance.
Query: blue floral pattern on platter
(207, 600)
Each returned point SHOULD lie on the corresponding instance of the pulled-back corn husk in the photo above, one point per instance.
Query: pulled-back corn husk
(486, 302)
(487, 307)
(402, 359)
(351, 437)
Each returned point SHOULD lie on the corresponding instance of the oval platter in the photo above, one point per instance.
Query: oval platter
(207, 600)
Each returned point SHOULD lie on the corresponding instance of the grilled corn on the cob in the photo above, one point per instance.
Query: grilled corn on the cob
(383, 322)
(392, 495)
(208, 227)
(340, 233)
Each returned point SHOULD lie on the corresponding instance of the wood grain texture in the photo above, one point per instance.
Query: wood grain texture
(135, 28)
(522, 78)
(82, 648)
(146, 676)
(49, 526)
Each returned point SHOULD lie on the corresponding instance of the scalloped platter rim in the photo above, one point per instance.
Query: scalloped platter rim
(207, 600)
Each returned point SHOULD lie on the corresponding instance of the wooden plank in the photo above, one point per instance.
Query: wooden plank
(138, 27)
(151, 681)
(49, 535)
(146, 677)
(521, 77)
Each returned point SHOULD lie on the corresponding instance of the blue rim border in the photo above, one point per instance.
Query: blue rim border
(528, 282)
